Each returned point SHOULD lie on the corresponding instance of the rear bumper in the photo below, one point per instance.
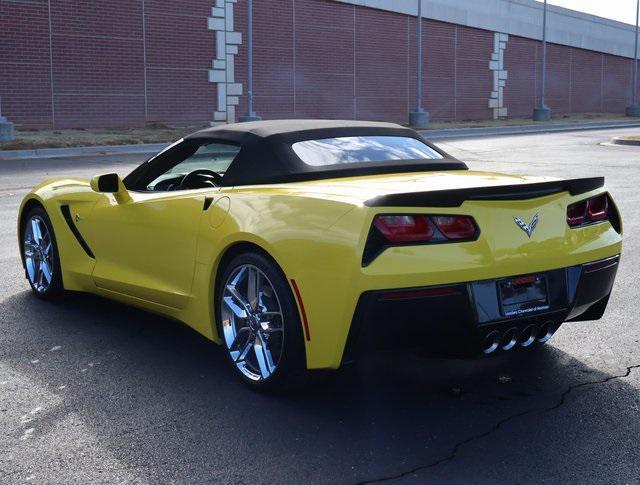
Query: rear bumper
(466, 319)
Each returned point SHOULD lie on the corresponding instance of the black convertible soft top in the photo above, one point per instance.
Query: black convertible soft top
(266, 155)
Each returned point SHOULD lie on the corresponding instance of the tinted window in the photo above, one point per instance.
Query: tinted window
(359, 149)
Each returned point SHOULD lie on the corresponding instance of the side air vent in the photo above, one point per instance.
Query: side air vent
(66, 212)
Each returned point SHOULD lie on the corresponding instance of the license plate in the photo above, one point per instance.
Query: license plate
(523, 294)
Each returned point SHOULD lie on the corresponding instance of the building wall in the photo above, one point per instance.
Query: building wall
(89, 63)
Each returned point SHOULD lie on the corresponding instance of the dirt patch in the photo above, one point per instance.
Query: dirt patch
(27, 140)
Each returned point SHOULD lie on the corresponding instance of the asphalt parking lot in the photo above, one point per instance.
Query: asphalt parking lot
(95, 392)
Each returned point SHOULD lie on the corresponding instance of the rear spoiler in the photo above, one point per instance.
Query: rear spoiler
(455, 197)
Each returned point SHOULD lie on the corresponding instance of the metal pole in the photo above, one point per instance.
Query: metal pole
(250, 60)
(634, 110)
(634, 97)
(419, 118)
(542, 113)
(543, 80)
(250, 115)
(419, 34)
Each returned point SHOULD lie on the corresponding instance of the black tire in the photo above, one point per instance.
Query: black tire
(54, 289)
(290, 371)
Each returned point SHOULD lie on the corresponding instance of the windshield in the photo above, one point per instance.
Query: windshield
(359, 149)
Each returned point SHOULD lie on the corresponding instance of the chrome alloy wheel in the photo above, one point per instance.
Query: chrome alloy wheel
(252, 322)
(38, 254)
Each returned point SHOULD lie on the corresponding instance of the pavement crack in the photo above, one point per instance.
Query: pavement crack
(565, 394)
(456, 447)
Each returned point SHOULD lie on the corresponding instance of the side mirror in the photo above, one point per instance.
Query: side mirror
(110, 183)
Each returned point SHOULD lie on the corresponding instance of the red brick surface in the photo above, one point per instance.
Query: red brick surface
(520, 61)
(76, 63)
(577, 80)
(560, 77)
(380, 66)
(617, 79)
(25, 86)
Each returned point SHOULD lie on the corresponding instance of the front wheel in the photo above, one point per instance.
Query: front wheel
(40, 255)
(259, 323)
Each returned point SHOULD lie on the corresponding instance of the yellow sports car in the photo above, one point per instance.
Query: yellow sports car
(297, 244)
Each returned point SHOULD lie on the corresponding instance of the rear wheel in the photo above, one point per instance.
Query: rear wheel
(259, 323)
(40, 255)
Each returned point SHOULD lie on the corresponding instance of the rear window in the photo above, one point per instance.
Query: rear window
(360, 149)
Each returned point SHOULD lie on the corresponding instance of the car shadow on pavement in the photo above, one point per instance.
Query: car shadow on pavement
(161, 399)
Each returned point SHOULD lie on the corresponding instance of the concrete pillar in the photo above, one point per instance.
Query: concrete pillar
(6, 127)
(223, 73)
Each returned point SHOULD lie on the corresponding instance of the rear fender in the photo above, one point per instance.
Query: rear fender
(308, 238)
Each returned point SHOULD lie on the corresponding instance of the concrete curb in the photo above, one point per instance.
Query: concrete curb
(429, 134)
(620, 140)
(75, 151)
(524, 129)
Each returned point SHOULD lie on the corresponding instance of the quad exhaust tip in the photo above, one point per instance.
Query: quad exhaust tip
(491, 342)
(545, 332)
(513, 336)
(528, 336)
(509, 339)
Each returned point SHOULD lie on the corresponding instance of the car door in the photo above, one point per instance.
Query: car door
(146, 247)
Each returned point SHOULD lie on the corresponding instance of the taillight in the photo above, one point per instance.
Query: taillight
(577, 213)
(394, 229)
(598, 208)
(404, 228)
(587, 211)
(419, 228)
(455, 227)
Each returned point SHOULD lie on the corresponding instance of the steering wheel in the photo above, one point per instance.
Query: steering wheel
(205, 177)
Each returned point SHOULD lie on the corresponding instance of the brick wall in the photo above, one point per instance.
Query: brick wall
(90, 63)
(25, 75)
(577, 80)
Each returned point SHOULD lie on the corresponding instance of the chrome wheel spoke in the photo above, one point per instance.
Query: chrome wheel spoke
(38, 254)
(263, 356)
(237, 310)
(35, 231)
(243, 334)
(40, 276)
(233, 291)
(46, 271)
(271, 314)
(238, 277)
(241, 356)
(249, 308)
(253, 287)
(31, 269)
